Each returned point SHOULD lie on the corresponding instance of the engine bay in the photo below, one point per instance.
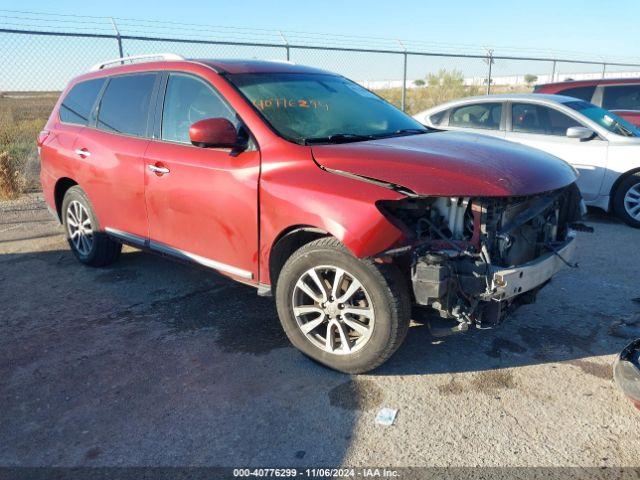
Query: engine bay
(461, 251)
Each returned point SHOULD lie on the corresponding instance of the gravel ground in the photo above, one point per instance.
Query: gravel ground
(150, 362)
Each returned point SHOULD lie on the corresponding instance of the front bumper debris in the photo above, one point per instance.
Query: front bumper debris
(474, 292)
(510, 282)
(475, 260)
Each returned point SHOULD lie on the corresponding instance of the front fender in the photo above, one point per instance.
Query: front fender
(303, 194)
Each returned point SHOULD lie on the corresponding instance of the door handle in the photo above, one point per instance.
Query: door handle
(83, 152)
(158, 170)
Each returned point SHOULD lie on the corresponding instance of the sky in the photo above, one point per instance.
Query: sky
(585, 26)
(511, 27)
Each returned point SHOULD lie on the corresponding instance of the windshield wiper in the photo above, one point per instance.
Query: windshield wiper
(355, 137)
(410, 130)
(337, 138)
(624, 130)
(401, 132)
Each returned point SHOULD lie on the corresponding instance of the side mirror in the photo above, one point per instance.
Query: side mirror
(583, 133)
(626, 371)
(213, 132)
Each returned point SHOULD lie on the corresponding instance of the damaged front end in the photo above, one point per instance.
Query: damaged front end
(475, 259)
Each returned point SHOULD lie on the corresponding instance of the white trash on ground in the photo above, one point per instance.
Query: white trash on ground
(386, 416)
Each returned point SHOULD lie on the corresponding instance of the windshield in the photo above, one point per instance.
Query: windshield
(605, 119)
(319, 108)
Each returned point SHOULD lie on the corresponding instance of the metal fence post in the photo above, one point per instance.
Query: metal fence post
(604, 68)
(404, 83)
(553, 72)
(118, 38)
(489, 61)
(403, 101)
(286, 45)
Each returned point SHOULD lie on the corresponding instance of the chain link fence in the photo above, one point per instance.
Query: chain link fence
(37, 65)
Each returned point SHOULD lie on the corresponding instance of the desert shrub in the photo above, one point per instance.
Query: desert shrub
(12, 180)
(434, 90)
(439, 88)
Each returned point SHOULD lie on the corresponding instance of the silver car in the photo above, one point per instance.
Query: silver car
(603, 147)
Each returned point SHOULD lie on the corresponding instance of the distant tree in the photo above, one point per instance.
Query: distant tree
(446, 85)
(438, 88)
(419, 82)
(530, 78)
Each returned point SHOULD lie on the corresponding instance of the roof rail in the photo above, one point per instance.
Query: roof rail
(133, 58)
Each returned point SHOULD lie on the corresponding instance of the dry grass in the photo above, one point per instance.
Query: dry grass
(12, 180)
(22, 116)
(422, 98)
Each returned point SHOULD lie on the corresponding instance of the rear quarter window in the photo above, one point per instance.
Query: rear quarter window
(438, 117)
(583, 93)
(77, 105)
(621, 97)
(124, 107)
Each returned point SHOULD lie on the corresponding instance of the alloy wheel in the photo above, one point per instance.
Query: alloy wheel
(632, 202)
(79, 227)
(333, 309)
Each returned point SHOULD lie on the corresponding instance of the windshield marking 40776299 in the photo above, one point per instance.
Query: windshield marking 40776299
(322, 108)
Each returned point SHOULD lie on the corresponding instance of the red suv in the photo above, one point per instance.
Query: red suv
(303, 184)
(621, 96)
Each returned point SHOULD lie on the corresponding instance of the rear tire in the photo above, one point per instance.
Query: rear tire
(359, 317)
(89, 245)
(626, 200)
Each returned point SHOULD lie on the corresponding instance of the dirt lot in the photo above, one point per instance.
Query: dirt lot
(150, 362)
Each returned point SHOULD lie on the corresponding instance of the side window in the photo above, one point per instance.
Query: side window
(621, 97)
(525, 119)
(124, 107)
(479, 115)
(583, 93)
(559, 122)
(438, 117)
(77, 105)
(528, 118)
(186, 101)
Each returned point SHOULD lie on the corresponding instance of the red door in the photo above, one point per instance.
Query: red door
(112, 154)
(113, 166)
(202, 203)
(205, 206)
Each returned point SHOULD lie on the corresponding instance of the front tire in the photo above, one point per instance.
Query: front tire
(348, 314)
(89, 245)
(626, 200)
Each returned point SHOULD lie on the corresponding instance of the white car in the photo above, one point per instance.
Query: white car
(603, 147)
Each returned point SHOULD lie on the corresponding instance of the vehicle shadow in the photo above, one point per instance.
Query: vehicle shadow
(151, 362)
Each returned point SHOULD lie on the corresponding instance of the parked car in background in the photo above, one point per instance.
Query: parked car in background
(621, 96)
(603, 147)
(304, 184)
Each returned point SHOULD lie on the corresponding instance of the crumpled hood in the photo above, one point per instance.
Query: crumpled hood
(450, 164)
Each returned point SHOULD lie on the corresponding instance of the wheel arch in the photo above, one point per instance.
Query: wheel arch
(287, 242)
(621, 178)
(62, 185)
